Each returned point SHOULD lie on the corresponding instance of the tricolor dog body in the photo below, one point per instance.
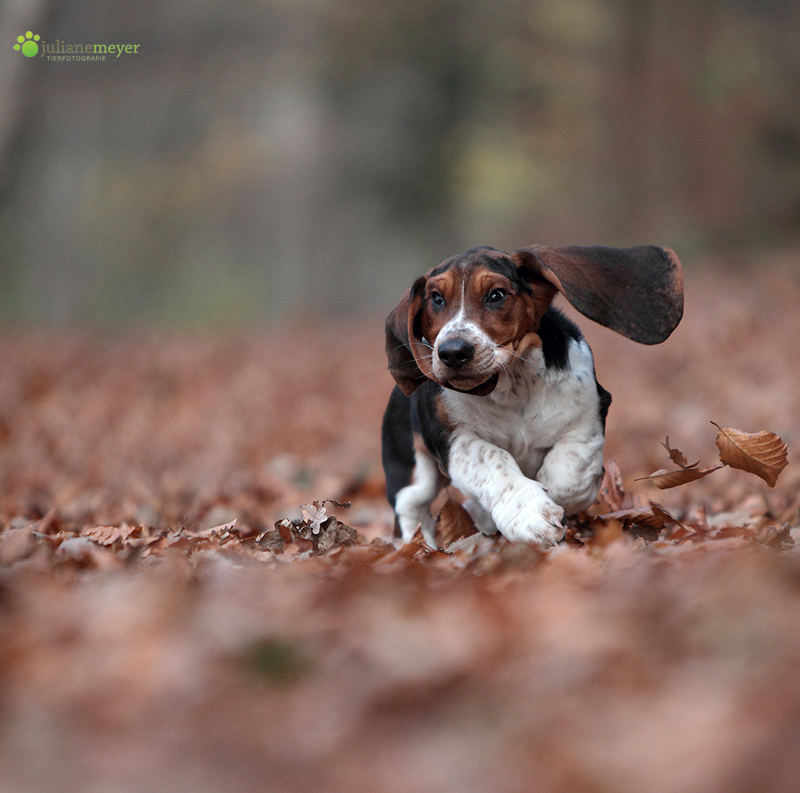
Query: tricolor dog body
(496, 390)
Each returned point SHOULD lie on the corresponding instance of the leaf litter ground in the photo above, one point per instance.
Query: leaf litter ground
(171, 617)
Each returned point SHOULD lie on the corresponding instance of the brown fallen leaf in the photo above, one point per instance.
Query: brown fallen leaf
(656, 518)
(335, 533)
(454, 523)
(612, 493)
(108, 535)
(664, 479)
(662, 514)
(270, 541)
(276, 539)
(316, 527)
(677, 456)
(85, 553)
(221, 531)
(760, 453)
(313, 515)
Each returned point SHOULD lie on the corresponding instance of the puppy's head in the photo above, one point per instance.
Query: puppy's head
(471, 317)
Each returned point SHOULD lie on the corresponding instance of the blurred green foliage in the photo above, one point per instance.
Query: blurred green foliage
(311, 157)
(275, 660)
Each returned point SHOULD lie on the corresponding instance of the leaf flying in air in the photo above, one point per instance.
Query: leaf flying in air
(760, 453)
(678, 456)
(664, 479)
(687, 473)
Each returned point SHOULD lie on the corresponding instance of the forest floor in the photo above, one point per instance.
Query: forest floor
(159, 633)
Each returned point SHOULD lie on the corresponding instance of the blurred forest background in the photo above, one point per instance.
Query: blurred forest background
(312, 156)
(257, 166)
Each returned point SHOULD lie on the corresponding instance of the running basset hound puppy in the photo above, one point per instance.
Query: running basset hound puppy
(496, 389)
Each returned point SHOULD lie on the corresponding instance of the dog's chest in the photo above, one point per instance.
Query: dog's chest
(530, 412)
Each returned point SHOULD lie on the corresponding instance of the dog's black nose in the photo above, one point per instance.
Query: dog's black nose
(455, 353)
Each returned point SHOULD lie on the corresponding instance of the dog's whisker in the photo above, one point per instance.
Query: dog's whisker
(515, 354)
(510, 374)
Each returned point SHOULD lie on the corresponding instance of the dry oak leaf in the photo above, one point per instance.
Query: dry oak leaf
(321, 530)
(315, 514)
(760, 453)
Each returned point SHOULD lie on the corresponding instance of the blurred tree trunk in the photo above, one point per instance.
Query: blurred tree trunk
(677, 140)
(634, 118)
(20, 83)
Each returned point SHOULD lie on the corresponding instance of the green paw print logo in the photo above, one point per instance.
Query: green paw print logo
(27, 44)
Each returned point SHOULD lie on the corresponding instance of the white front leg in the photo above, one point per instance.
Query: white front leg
(572, 471)
(520, 507)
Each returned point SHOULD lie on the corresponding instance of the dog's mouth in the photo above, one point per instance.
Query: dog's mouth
(482, 389)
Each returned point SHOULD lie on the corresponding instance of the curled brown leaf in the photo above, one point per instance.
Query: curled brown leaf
(761, 453)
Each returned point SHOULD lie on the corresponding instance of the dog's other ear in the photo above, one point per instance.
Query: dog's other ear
(402, 339)
(637, 292)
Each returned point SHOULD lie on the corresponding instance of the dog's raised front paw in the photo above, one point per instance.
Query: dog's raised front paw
(527, 514)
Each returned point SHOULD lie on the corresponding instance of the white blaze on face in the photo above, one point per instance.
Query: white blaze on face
(463, 329)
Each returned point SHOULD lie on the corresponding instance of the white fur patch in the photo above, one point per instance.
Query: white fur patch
(412, 504)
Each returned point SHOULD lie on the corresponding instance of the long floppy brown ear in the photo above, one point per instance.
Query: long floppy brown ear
(637, 292)
(401, 339)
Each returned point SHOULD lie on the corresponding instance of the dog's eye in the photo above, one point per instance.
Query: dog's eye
(495, 297)
(437, 299)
